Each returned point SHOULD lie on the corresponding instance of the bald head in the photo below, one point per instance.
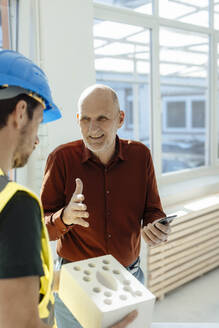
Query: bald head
(99, 118)
(102, 92)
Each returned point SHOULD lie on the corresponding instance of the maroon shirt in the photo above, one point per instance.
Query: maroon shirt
(120, 197)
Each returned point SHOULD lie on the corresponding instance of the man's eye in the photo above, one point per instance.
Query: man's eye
(85, 119)
(102, 119)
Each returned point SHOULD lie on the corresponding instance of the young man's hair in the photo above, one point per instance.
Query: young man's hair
(7, 106)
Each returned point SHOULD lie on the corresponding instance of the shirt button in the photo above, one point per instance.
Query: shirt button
(107, 192)
(109, 235)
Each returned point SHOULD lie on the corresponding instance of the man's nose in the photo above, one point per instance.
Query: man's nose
(94, 126)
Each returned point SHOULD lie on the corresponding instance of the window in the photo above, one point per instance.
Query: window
(142, 6)
(122, 61)
(187, 11)
(183, 72)
(164, 81)
(176, 114)
(198, 114)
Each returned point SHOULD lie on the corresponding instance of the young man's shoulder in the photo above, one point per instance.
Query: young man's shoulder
(23, 201)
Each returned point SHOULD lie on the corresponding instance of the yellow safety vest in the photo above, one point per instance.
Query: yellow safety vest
(46, 305)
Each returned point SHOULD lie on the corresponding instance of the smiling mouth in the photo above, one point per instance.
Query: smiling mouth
(96, 138)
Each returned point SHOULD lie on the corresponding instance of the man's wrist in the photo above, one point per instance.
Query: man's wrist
(63, 219)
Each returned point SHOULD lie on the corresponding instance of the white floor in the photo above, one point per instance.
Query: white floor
(196, 301)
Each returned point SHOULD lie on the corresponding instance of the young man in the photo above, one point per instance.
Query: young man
(100, 193)
(26, 265)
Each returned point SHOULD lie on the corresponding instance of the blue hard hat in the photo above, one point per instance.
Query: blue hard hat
(17, 70)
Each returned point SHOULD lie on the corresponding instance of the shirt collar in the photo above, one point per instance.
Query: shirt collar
(87, 154)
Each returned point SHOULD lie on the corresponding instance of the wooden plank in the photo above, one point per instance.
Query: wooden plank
(194, 221)
(183, 241)
(158, 275)
(178, 249)
(181, 275)
(180, 257)
(192, 249)
(160, 292)
(193, 229)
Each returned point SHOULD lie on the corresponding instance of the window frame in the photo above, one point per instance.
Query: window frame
(154, 23)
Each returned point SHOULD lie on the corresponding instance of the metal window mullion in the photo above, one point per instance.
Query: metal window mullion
(155, 8)
(135, 104)
(122, 15)
(212, 102)
(155, 117)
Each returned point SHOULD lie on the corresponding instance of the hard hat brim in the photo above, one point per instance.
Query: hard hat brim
(51, 114)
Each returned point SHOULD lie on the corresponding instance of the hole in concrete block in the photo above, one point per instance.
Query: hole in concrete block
(87, 272)
(105, 268)
(127, 289)
(77, 268)
(107, 301)
(116, 271)
(106, 262)
(127, 282)
(86, 278)
(106, 279)
(107, 294)
(138, 293)
(96, 289)
(123, 297)
(91, 265)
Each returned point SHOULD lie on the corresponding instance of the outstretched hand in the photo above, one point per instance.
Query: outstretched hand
(75, 212)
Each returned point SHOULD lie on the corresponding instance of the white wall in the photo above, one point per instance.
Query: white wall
(68, 59)
(57, 35)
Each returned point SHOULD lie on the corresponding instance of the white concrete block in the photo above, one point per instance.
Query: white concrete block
(100, 291)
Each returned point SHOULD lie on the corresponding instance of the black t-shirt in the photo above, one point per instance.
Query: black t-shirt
(20, 237)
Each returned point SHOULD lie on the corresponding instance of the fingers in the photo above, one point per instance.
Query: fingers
(126, 320)
(155, 234)
(163, 227)
(79, 214)
(75, 212)
(81, 222)
(77, 196)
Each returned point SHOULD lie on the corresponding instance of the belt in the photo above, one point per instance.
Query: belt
(134, 267)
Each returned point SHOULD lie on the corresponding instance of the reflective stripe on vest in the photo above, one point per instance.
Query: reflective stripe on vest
(45, 307)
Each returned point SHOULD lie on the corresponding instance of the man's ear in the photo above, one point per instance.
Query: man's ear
(121, 118)
(20, 114)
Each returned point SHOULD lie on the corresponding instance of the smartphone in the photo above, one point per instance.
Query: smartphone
(166, 219)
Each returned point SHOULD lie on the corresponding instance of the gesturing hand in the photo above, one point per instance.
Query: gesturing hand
(76, 209)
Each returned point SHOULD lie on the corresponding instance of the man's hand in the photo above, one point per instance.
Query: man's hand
(155, 234)
(126, 320)
(76, 210)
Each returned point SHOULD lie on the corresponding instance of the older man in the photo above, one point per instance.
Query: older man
(99, 193)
